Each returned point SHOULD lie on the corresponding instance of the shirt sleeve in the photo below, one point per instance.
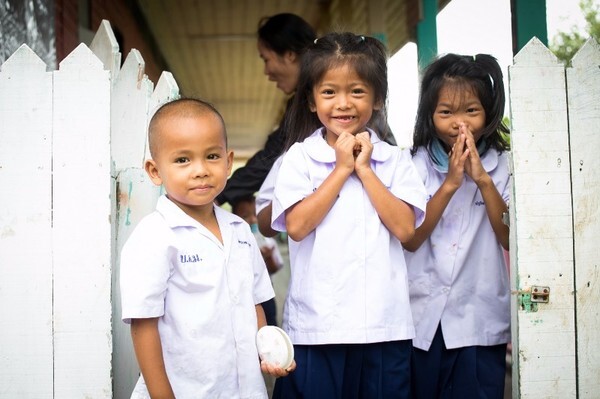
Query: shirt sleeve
(145, 268)
(408, 186)
(265, 193)
(263, 288)
(293, 184)
(503, 163)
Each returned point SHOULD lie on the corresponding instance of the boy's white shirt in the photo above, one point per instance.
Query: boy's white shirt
(204, 294)
(458, 276)
(348, 277)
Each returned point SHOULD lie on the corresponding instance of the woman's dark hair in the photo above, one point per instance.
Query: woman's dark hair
(285, 32)
(366, 55)
(480, 73)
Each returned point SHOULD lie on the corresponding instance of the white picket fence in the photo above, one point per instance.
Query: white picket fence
(555, 223)
(72, 145)
(72, 195)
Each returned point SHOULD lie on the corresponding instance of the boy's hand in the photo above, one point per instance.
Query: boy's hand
(275, 370)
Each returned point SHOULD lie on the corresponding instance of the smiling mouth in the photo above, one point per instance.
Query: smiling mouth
(344, 118)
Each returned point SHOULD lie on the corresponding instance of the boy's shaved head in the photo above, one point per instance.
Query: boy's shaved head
(184, 108)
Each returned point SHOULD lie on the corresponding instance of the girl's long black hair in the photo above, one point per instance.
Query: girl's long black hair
(365, 54)
(480, 73)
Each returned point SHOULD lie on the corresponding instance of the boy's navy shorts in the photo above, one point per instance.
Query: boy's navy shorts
(469, 372)
(348, 371)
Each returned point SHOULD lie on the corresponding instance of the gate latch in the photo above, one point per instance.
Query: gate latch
(540, 294)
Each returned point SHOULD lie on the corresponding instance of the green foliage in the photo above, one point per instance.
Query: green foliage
(566, 44)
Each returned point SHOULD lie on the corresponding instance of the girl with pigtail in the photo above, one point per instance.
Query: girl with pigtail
(347, 200)
(458, 279)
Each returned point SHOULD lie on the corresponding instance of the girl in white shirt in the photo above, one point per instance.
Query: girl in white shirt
(458, 278)
(347, 200)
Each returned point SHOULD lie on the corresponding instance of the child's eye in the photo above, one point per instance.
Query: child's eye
(214, 156)
(181, 160)
(444, 111)
(327, 92)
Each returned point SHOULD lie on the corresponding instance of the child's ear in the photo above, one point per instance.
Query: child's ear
(311, 105)
(152, 170)
(229, 162)
(378, 106)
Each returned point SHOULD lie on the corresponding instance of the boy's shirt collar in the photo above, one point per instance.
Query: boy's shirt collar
(176, 217)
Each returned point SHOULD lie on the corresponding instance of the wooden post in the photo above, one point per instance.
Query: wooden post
(26, 344)
(541, 253)
(583, 81)
(82, 228)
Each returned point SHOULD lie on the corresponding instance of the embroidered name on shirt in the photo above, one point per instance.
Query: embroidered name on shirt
(479, 203)
(190, 258)
(244, 243)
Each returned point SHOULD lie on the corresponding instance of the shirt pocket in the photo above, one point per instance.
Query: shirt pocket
(198, 265)
(240, 265)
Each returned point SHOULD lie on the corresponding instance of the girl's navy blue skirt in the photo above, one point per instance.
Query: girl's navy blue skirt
(469, 372)
(348, 371)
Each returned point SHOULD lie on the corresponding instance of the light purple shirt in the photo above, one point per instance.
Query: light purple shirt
(458, 277)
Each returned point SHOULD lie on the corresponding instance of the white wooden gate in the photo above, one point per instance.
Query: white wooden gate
(555, 223)
(72, 144)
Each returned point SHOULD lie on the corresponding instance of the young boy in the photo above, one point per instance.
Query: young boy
(192, 277)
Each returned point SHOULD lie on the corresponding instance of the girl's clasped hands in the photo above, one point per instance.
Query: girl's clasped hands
(464, 158)
(353, 151)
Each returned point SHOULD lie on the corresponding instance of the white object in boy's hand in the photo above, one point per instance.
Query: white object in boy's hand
(274, 346)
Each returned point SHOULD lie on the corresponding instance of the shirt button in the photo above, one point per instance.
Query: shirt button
(445, 290)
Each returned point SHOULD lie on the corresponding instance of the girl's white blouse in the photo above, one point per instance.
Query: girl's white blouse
(348, 277)
(458, 277)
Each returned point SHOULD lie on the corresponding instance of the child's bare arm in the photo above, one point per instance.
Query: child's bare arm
(304, 216)
(433, 213)
(439, 201)
(264, 221)
(260, 316)
(494, 203)
(495, 207)
(396, 215)
(148, 351)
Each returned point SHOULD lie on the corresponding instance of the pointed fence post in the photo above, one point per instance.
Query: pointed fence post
(106, 48)
(583, 82)
(26, 344)
(82, 228)
(129, 117)
(133, 104)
